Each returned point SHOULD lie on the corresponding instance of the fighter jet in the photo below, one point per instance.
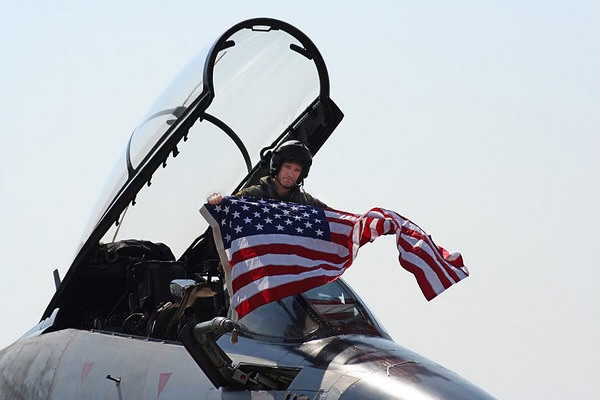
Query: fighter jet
(143, 311)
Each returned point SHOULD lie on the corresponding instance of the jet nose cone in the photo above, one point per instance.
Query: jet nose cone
(414, 381)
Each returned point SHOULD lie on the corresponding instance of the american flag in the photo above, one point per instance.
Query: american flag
(274, 249)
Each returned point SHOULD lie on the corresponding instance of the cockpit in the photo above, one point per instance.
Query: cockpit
(149, 264)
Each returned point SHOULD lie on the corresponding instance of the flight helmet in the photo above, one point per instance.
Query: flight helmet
(291, 150)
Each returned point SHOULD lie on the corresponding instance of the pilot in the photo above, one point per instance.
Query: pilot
(289, 166)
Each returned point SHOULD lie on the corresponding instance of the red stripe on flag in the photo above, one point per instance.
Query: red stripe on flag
(427, 260)
(347, 222)
(247, 253)
(275, 270)
(438, 261)
(421, 278)
(279, 292)
(341, 239)
(365, 231)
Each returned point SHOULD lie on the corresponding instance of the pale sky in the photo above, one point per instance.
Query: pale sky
(478, 120)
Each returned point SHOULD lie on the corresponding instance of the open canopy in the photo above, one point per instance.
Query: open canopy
(242, 95)
(262, 82)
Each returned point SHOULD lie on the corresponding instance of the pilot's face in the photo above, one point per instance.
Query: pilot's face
(289, 173)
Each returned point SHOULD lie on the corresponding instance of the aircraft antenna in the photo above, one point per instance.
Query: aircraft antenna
(56, 278)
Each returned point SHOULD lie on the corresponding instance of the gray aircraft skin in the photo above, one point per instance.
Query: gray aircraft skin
(142, 312)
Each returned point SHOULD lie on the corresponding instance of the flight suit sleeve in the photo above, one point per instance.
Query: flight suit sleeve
(253, 191)
(313, 201)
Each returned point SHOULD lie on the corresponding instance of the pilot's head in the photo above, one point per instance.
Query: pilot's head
(286, 155)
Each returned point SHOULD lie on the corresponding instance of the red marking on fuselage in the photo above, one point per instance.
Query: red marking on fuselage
(86, 370)
(162, 382)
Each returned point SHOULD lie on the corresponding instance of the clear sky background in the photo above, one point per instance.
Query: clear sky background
(479, 120)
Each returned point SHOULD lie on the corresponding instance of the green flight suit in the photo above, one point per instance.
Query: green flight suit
(265, 189)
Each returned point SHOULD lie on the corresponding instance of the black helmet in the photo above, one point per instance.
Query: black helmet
(292, 150)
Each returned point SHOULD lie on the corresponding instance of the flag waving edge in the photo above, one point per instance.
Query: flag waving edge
(218, 239)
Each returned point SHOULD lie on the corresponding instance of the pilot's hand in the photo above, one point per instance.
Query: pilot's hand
(214, 199)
